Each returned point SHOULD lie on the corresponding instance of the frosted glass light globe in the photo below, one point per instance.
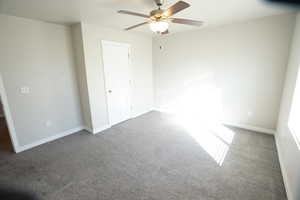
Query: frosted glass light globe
(159, 27)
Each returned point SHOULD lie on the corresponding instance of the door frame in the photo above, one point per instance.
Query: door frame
(8, 117)
(103, 42)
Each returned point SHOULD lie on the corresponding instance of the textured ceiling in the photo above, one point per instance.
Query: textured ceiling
(104, 12)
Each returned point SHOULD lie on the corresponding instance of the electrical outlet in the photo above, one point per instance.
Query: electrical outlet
(24, 90)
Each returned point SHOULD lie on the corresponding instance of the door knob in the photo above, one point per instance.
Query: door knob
(109, 91)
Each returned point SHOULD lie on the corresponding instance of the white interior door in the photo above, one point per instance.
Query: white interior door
(117, 80)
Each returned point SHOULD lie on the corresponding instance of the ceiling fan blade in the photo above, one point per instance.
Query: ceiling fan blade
(132, 13)
(186, 21)
(135, 26)
(177, 7)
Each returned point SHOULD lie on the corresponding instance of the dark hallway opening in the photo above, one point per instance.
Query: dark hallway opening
(5, 141)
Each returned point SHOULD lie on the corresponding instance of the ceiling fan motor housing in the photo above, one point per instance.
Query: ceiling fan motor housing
(156, 14)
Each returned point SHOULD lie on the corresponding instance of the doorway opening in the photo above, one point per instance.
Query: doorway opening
(5, 141)
(8, 138)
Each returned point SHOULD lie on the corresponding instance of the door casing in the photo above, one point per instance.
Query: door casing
(103, 43)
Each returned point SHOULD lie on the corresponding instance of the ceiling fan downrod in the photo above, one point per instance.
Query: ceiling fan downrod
(159, 3)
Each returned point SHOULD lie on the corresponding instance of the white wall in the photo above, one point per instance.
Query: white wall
(141, 68)
(232, 73)
(82, 76)
(288, 151)
(39, 55)
(239, 67)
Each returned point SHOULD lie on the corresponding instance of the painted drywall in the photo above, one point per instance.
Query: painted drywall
(39, 56)
(287, 148)
(81, 74)
(141, 71)
(232, 73)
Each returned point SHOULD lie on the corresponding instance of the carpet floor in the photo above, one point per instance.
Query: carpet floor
(151, 157)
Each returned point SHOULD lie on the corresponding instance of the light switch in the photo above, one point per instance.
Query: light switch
(24, 90)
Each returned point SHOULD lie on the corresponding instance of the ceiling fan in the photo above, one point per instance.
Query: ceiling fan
(159, 19)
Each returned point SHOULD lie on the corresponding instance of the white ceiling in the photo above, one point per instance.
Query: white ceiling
(104, 12)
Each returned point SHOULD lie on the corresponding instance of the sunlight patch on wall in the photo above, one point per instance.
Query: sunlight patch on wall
(294, 117)
(198, 98)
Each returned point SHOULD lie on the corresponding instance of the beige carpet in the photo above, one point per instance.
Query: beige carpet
(152, 157)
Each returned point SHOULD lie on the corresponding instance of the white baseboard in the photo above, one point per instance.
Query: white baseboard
(141, 113)
(98, 130)
(49, 139)
(88, 129)
(162, 110)
(283, 172)
(107, 126)
(251, 128)
(243, 126)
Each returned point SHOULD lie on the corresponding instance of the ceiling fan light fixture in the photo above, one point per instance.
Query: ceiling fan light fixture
(159, 19)
(159, 27)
